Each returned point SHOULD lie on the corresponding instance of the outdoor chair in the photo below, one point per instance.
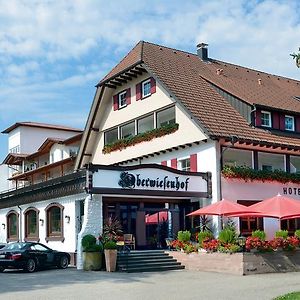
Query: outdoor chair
(129, 240)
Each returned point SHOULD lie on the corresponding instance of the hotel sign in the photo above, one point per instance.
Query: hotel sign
(149, 179)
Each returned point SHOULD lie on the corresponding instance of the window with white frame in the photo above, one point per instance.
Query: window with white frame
(294, 164)
(111, 136)
(122, 99)
(146, 88)
(266, 119)
(127, 130)
(15, 149)
(184, 164)
(270, 161)
(289, 123)
(165, 117)
(145, 124)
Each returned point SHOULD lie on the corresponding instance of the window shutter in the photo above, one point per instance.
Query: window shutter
(193, 162)
(138, 90)
(153, 85)
(275, 121)
(116, 102)
(128, 96)
(297, 124)
(258, 118)
(282, 122)
(164, 163)
(174, 163)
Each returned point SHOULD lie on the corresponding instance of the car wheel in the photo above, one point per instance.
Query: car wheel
(1, 269)
(31, 265)
(63, 262)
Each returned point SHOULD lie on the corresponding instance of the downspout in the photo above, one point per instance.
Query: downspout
(20, 225)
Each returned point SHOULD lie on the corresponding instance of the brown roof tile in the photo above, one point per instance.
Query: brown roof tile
(189, 79)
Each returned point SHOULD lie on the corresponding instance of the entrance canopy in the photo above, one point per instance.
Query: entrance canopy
(222, 208)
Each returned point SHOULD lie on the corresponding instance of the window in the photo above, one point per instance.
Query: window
(128, 130)
(294, 164)
(270, 161)
(247, 225)
(289, 123)
(146, 88)
(31, 224)
(166, 117)
(290, 225)
(111, 136)
(266, 119)
(122, 99)
(237, 157)
(184, 164)
(12, 220)
(54, 218)
(15, 149)
(146, 124)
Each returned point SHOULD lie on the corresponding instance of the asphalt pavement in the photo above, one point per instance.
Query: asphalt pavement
(173, 285)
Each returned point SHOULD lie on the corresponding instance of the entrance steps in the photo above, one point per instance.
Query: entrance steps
(146, 261)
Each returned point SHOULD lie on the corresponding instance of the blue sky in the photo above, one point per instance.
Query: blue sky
(52, 53)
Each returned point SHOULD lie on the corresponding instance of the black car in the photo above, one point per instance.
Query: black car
(31, 256)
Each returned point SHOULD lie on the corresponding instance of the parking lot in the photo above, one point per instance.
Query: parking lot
(73, 284)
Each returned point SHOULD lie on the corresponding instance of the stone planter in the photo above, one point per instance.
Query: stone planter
(110, 259)
(92, 261)
(240, 263)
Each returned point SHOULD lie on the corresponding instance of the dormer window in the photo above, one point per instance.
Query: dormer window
(146, 88)
(266, 119)
(289, 123)
(122, 99)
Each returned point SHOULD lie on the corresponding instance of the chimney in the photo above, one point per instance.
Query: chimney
(202, 51)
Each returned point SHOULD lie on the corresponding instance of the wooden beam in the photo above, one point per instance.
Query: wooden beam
(140, 69)
(115, 82)
(110, 86)
(120, 80)
(136, 72)
(126, 77)
(131, 75)
(87, 154)
(95, 129)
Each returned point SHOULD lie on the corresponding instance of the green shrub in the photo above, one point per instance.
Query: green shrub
(259, 234)
(282, 234)
(229, 249)
(110, 245)
(297, 233)
(202, 235)
(227, 236)
(184, 236)
(88, 243)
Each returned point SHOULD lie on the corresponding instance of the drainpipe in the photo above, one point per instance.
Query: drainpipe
(20, 226)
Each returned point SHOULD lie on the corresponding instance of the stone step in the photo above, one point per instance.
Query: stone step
(155, 269)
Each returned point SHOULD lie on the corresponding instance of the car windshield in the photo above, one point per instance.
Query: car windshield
(15, 246)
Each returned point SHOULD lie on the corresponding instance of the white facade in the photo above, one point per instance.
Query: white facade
(4, 185)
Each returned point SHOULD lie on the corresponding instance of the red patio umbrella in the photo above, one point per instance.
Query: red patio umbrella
(222, 208)
(278, 207)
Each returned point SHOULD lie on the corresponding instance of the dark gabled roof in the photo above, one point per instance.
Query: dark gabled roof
(190, 80)
(40, 125)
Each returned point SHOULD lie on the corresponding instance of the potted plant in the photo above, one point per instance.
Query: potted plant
(110, 252)
(92, 253)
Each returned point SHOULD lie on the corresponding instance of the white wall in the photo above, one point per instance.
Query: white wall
(31, 138)
(4, 184)
(70, 242)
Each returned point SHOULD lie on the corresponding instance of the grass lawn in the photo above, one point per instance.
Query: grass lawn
(289, 296)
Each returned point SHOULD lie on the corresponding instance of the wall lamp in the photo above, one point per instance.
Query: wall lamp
(67, 219)
(3, 226)
(42, 222)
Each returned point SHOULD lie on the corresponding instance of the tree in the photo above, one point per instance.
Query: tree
(297, 58)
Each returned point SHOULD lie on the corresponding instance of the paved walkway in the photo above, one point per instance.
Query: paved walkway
(173, 285)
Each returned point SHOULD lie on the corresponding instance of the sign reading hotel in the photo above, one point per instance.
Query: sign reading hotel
(150, 179)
